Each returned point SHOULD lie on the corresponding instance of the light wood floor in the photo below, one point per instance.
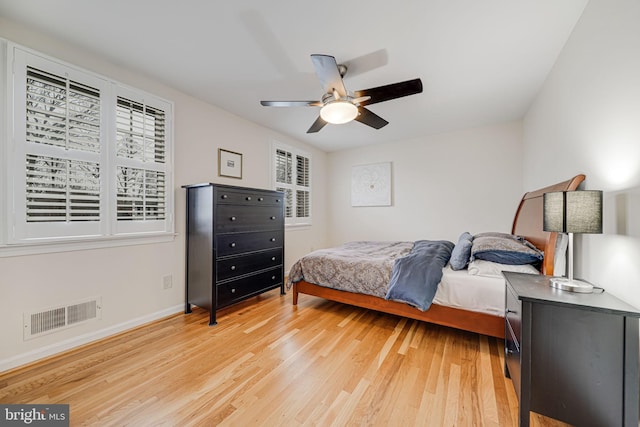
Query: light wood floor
(270, 363)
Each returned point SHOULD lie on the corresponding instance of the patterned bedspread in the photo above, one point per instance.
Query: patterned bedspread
(361, 267)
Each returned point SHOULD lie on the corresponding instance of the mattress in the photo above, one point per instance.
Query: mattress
(482, 294)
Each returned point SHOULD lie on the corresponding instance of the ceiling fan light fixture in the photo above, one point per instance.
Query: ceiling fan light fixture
(338, 112)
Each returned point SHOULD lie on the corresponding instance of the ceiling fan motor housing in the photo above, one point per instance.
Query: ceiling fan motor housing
(340, 106)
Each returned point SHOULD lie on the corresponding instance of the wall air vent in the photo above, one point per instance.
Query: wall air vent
(57, 318)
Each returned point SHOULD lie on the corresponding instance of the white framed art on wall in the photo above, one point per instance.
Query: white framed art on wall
(371, 184)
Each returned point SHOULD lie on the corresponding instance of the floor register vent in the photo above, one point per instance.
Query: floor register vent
(58, 318)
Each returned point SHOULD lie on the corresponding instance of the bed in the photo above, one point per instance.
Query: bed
(452, 312)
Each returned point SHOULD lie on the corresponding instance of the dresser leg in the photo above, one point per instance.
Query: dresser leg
(212, 318)
(524, 406)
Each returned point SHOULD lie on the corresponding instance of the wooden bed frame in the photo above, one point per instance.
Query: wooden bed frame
(527, 223)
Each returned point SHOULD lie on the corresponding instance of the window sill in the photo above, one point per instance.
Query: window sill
(81, 245)
(294, 227)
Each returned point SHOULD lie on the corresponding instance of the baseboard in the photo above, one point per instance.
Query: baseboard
(51, 350)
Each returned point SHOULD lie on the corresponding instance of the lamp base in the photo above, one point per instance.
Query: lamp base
(571, 285)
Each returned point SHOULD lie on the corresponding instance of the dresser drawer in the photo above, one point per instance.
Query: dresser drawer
(512, 359)
(228, 268)
(236, 290)
(234, 218)
(513, 313)
(249, 197)
(237, 243)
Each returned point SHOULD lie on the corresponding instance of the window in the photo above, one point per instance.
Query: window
(293, 177)
(140, 164)
(89, 158)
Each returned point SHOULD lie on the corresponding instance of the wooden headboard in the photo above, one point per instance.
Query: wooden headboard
(528, 220)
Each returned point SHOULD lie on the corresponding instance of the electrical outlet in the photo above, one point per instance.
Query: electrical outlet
(167, 282)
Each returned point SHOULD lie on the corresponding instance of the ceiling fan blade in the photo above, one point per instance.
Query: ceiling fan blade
(370, 118)
(360, 100)
(291, 103)
(328, 74)
(317, 125)
(389, 92)
(365, 63)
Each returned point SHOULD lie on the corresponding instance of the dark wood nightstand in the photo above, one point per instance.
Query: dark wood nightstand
(572, 357)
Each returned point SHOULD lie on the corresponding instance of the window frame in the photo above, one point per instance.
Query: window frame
(19, 236)
(125, 227)
(294, 220)
(22, 231)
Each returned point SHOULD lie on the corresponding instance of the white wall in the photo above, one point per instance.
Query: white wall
(129, 279)
(587, 120)
(442, 185)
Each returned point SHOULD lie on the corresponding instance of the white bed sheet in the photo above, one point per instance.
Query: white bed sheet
(460, 289)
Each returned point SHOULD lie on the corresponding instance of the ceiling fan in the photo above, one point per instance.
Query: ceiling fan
(340, 106)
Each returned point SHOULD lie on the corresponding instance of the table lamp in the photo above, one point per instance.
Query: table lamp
(572, 212)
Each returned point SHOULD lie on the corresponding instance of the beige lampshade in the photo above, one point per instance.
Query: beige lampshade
(573, 211)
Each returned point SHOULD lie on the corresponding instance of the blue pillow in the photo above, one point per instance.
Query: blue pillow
(461, 252)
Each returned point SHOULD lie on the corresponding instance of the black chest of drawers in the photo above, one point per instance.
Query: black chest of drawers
(234, 245)
(572, 357)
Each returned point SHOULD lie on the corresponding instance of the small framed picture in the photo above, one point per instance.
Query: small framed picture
(229, 164)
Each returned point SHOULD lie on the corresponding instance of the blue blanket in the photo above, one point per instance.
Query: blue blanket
(415, 277)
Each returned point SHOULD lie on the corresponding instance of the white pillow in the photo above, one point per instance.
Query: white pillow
(479, 267)
(560, 259)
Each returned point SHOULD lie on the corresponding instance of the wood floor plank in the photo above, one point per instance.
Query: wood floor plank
(268, 362)
(486, 388)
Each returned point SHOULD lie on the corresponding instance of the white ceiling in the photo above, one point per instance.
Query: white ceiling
(481, 61)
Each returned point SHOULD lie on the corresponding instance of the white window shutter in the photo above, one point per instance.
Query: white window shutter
(62, 113)
(57, 153)
(90, 158)
(62, 190)
(293, 177)
(142, 193)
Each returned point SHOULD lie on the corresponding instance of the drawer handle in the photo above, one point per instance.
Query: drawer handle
(233, 267)
(224, 196)
(233, 218)
(273, 217)
(273, 258)
(232, 244)
(260, 199)
(273, 239)
(273, 277)
(233, 290)
(248, 198)
(511, 311)
(277, 200)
